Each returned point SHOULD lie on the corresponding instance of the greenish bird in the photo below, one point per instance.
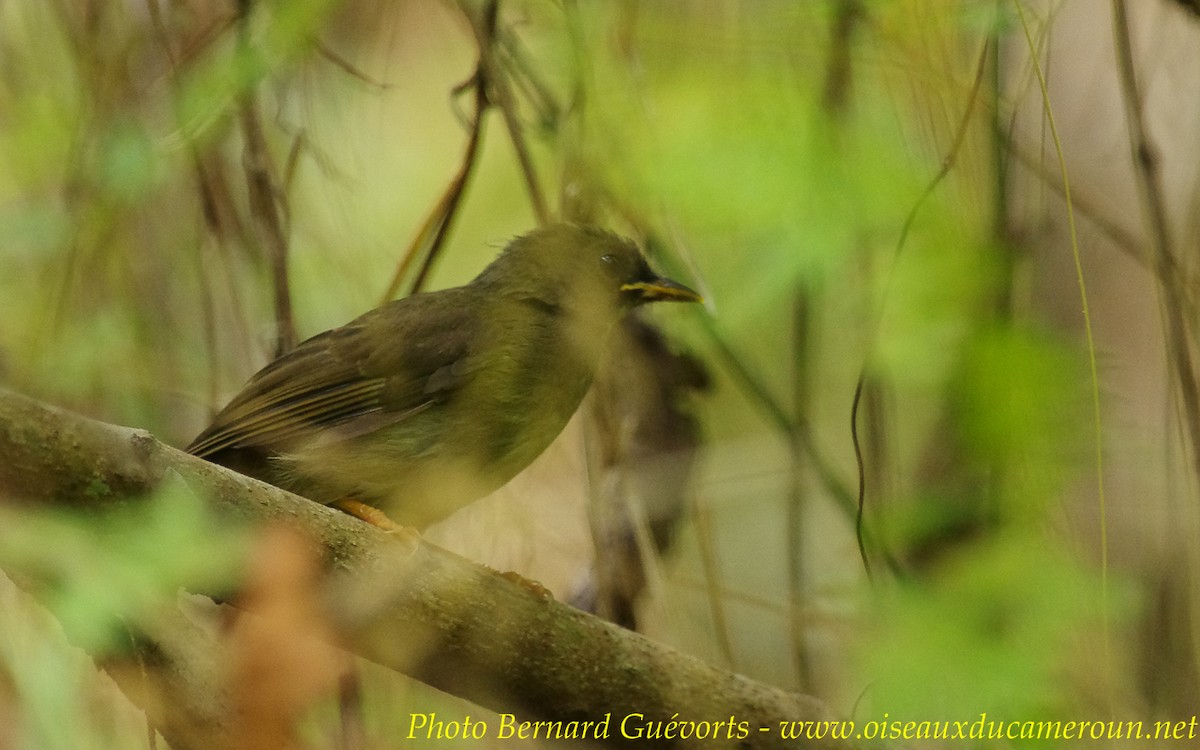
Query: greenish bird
(421, 406)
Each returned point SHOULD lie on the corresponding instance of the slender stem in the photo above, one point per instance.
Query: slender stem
(267, 204)
(713, 589)
(268, 221)
(798, 485)
(447, 209)
(437, 225)
(838, 70)
(1087, 327)
(210, 204)
(860, 386)
(1154, 216)
(501, 95)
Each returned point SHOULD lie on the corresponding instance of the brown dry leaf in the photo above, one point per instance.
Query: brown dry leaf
(281, 657)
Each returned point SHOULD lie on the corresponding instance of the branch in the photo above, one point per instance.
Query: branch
(408, 605)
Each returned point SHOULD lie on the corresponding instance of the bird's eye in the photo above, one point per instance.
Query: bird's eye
(608, 260)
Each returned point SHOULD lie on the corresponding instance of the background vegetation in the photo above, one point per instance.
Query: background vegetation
(968, 224)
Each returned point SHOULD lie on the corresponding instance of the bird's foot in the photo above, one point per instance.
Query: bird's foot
(528, 584)
(373, 516)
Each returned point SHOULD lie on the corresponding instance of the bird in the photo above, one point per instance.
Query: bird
(419, 407)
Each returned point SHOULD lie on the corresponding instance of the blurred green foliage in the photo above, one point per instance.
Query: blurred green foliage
(997, 631)
(106, 580)
(104, 577)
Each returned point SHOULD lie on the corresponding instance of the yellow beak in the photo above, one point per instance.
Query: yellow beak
(662, 290)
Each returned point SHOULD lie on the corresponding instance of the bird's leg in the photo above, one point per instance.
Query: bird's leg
(368, 513)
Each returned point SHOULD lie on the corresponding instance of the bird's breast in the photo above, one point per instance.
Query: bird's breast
(532, 401)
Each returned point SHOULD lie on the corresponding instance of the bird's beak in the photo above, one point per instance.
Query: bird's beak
(661, 289)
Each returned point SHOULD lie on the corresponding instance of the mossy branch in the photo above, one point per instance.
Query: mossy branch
(397, 601)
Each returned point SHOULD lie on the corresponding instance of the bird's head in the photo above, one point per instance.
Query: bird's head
(581, 271)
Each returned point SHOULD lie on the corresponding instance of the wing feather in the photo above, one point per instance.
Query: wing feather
(377, 370)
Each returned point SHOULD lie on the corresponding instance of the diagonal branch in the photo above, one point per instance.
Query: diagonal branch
(415, 608)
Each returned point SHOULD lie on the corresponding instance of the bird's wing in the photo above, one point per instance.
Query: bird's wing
(377, 370)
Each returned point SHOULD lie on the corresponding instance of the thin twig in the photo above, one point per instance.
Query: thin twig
(998, 142)
(1163, 257)
(1089, 334)
(436, 227)
(1121, 238)
(860, 528)
(501, 95)
(447, 209)
(267, 204)
(347, 66)
(836, 94)
(266, 211)
(797, 486)
(838, 70)
(530, 82)
(947, 164)
(714, 594)
(774, 412)
(220, 219)
(299, 142)
(759, 394)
